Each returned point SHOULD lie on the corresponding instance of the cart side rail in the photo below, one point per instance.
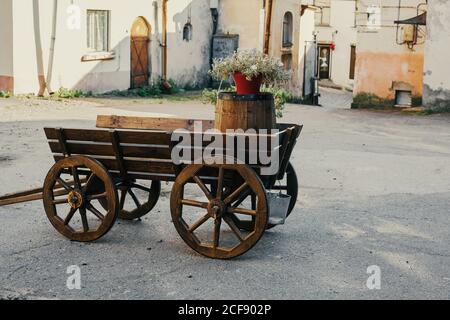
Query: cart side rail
(148, 154)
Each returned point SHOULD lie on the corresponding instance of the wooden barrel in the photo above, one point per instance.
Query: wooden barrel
(253, 111)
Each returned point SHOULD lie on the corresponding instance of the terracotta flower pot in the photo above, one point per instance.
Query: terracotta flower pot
(243, 86)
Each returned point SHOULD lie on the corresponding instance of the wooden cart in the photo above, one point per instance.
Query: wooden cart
(100, 175)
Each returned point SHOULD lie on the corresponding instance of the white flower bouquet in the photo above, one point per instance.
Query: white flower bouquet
(251, 66)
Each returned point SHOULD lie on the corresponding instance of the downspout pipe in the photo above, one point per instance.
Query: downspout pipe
(38, 44)
(52, 47)
(269, 6)
(215, 24)
(164, 39)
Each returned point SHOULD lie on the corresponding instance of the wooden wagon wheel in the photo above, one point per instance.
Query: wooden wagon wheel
(288, 185)
(139, 206)
(222, 239)
(77, 215)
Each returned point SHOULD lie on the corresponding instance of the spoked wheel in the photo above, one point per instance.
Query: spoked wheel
(136, 200)
(77, 213)
(204, 217)
(287, 185)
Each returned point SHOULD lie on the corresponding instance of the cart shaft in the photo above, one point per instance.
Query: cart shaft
(32, 194)
(20, 199)
(22, 196)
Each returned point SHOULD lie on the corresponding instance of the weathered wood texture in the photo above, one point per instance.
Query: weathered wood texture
(147, 154)
(144, 123)
(111, 160)
(144, 154)
(221, 206)
(139, 53)
(32, 194)
(81, 197)
(131, 154)
(245, 111)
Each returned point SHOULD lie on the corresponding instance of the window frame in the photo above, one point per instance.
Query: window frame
(187, 27)
(287, 35)
(106, 41)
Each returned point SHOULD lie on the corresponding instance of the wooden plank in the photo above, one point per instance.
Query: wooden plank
(62, 142)
(132, 151)
(145, 137)
(244, 156)
(118, 152)
(284, 161)
(79, 135)
(103, 136)
(83, 149)
(144, 166)
(165, 124)
(153, 176)
(233, 138)
(284, 146)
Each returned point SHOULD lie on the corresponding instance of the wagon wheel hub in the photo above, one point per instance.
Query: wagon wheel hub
(217, 208)
(75, 199)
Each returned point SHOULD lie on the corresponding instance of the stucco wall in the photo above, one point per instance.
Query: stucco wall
(243, 18)
(437, 69)
(343, 20)
(6, 50)
(71, 45)
(187, 61)
(307, 53)
(276, 47)
(380, 61)
(246, 19)
(342, 32)
(376, 72)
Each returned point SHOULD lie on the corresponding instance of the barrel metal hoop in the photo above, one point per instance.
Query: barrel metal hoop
(245, 97)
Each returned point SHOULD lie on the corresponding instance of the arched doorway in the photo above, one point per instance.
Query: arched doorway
(140, 38)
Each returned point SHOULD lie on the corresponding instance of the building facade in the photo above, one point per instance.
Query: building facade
(436, 91)
(98, 43)
(390, 55)
(291, 27)
(6, 50)
(101, 45)
(336, 41)
(105, 45)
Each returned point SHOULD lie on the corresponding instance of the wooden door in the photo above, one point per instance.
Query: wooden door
(140, 33)
(352, 62)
